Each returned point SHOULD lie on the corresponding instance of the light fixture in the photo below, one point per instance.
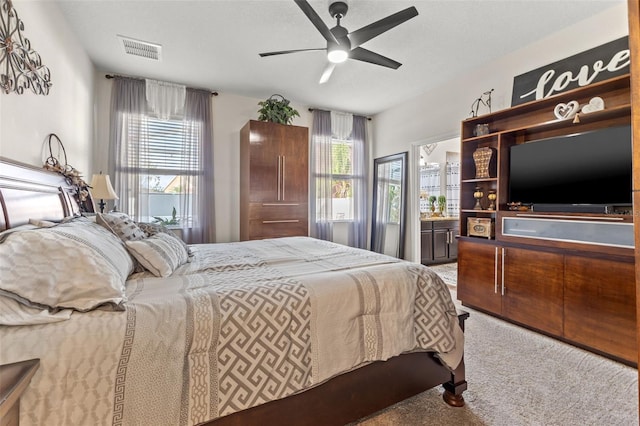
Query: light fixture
(101, 189)
(337, 54)
(20, 66)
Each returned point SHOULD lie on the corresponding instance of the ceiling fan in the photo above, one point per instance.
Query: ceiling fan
(342, 44)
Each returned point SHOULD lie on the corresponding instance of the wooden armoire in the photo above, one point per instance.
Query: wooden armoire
(274, 180)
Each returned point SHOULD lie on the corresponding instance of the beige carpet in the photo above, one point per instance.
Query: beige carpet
(518, 377)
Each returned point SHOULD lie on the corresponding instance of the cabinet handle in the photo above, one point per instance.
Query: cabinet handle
(280, 204)
(281, 221)
(495, 273)
(504, 251)
(279, 175)
(284, 170)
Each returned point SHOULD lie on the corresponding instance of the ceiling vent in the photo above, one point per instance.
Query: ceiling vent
(141, 48)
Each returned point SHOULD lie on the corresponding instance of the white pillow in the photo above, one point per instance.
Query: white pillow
(161, 253)
(78, 265)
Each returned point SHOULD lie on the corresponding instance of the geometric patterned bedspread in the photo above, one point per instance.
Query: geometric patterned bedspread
(241, 324)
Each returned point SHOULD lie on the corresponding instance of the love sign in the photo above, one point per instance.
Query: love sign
(598, 64)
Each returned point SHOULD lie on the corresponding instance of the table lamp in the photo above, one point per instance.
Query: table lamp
(101, 189)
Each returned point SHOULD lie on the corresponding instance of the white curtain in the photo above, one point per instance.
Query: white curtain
(144, 151)
(165, 100)
(453, 188)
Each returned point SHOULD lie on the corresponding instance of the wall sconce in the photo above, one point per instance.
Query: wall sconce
(20, 66)
(101, 189)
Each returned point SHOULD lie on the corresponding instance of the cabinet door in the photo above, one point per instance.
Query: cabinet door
(426, 247)
(264, 160)
(440, 245)
(478, 267)
(533, 293)
(294, 164)
(600, 305)
(453, 242)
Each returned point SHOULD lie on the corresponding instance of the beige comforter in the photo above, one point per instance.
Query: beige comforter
(242, 324)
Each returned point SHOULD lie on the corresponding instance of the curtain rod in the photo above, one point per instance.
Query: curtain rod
(368, 118)
(109, 77)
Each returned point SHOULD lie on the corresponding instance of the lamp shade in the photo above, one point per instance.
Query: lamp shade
(101, 188)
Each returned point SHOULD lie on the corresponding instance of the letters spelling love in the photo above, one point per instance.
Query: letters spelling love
(617, 62)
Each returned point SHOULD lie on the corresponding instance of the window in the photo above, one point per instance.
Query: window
(163, 163)
(343, 181)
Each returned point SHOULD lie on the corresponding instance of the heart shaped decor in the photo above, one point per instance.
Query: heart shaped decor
(567, 110)
(595, 104)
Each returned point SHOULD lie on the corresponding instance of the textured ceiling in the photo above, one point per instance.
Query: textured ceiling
(214, 44)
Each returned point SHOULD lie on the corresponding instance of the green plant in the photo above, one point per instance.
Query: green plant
(175, 220)
(276, 110)
(442, 202)
(432, 202)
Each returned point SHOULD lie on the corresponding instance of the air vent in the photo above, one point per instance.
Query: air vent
(141, 48)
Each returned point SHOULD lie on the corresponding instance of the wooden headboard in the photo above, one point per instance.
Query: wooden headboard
(30, 192)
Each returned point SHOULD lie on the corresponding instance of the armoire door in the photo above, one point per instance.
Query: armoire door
(294, 167)
(265, 164)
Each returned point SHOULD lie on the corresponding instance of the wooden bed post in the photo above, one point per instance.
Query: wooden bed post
(453, 388)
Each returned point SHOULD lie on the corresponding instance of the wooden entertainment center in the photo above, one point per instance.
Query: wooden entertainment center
(579, 290)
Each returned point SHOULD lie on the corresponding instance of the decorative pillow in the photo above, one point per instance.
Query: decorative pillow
(121, 225)
(155, 228)
(161, 253)
(77, 265)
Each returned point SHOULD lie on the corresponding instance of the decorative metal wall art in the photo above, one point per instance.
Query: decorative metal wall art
(20, 66)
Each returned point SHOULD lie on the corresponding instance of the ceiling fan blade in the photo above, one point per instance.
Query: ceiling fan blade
(316, 20)
(284, 52)
(368, 32)
(360, 54)
(326, 74)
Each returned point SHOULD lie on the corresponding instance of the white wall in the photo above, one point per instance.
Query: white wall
(436, 115)
(27, 119)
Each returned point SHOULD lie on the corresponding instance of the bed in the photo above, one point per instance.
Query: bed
(279, 331)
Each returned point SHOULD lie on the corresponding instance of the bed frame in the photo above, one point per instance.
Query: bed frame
(28, 192)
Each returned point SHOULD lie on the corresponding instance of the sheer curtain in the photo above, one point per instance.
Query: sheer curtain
(321, 191)
(453, 188)
(330, 129)
(358, 232)
(145, 150)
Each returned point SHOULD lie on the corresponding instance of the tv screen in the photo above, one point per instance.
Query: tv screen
(584, 168)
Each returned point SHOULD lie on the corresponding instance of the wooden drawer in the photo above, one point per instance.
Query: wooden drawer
(264, 228)
(278, 211)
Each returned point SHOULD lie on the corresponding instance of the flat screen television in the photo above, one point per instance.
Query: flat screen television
(576, 172)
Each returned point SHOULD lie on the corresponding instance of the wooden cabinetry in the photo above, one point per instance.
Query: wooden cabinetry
(438, 243)
(579, 290)
(274, 180)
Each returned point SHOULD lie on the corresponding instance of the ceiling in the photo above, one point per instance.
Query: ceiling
(214, 44)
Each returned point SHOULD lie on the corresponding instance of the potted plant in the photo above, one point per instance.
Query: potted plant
(442, 204)
(432, 204)
(276, 109)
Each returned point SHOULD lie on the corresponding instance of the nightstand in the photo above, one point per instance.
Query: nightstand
(14, 379)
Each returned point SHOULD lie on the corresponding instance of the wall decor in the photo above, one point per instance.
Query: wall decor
(20, 66)
(568, 110)
(72, 176)
(598, 64)
(484, 99)
(595, 104)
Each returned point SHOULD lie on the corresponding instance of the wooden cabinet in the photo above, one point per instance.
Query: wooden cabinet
(508, 281)
(534, 271)
(438, 242)
(274, 180)
(599, 305)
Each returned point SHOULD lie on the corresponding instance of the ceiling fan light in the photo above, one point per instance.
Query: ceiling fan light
(337, 55)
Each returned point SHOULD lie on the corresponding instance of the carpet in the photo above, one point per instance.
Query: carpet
(448, 272)
(519, 377)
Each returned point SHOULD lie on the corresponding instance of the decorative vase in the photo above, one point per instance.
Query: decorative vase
(478, 194)
(492, 199)
(482, 159)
